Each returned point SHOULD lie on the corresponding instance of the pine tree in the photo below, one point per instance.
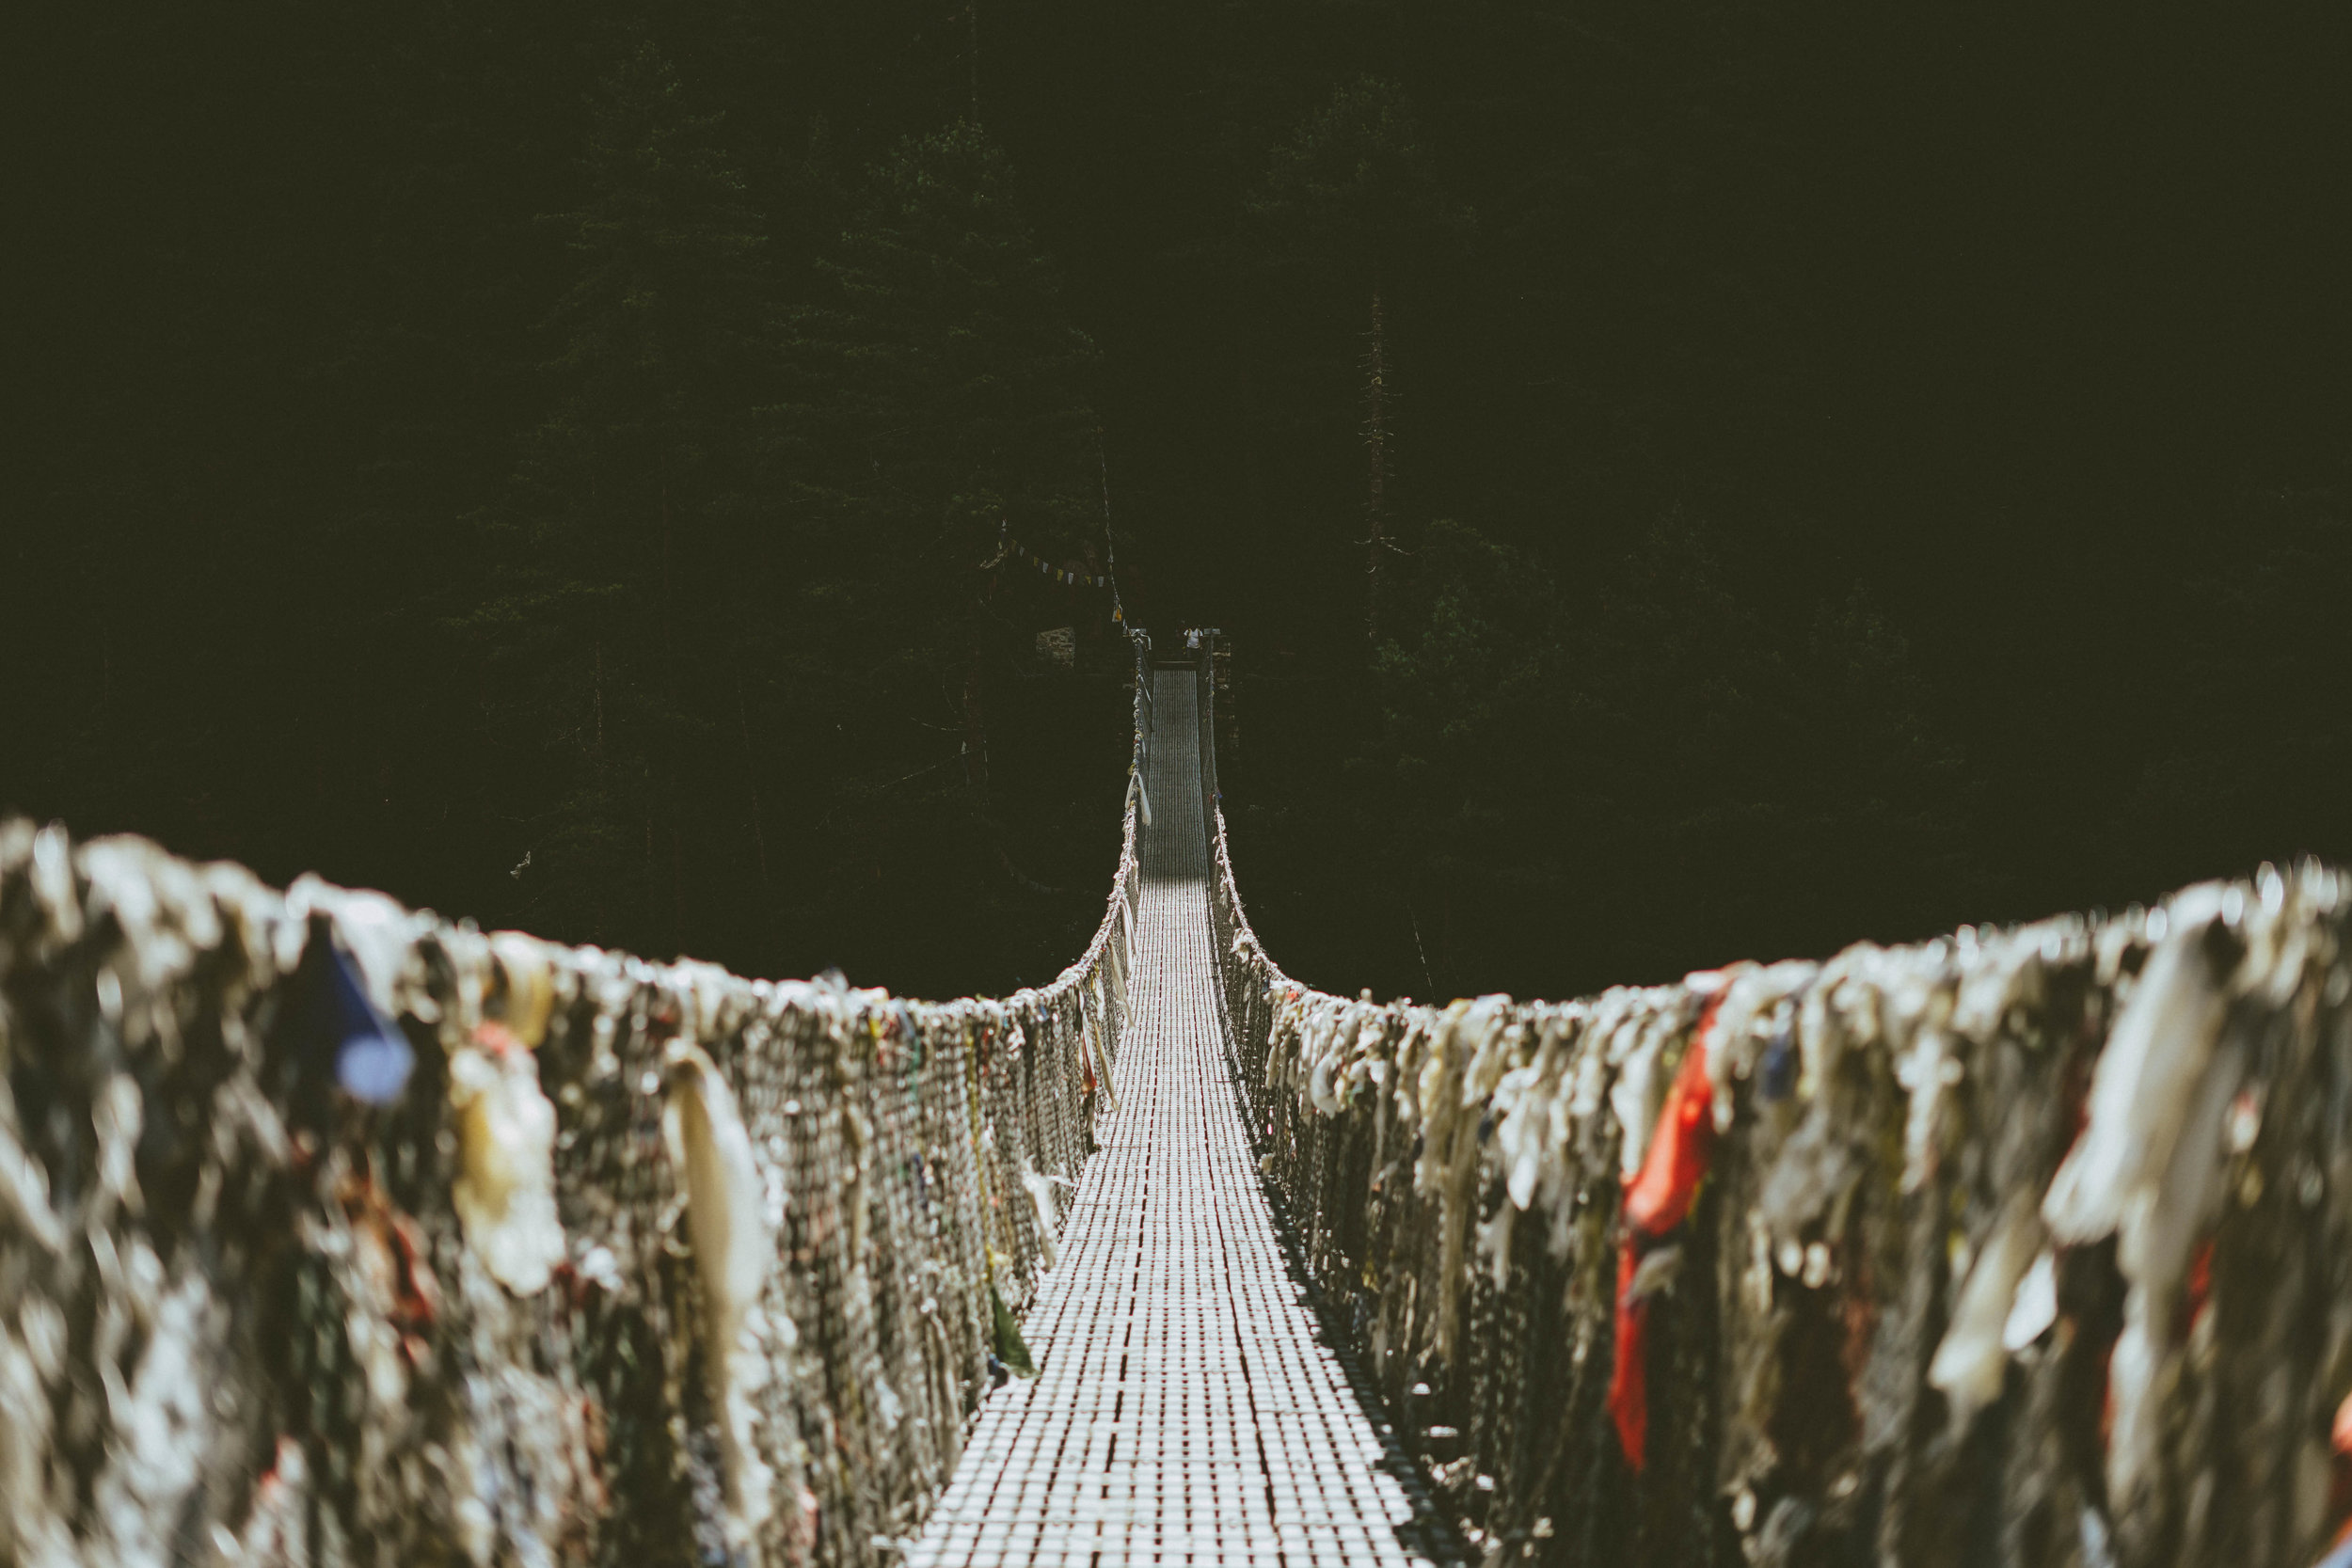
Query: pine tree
(1352, 200)
(939, 400)
(625, 544)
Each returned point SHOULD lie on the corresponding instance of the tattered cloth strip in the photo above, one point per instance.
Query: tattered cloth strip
(1007, 544)
(1655, 1204)
(335, 1233)
(2028, 1246)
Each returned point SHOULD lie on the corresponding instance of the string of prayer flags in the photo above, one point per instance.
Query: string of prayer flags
(1059, 574)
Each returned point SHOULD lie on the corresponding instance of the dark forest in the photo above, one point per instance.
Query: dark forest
(1680, 482)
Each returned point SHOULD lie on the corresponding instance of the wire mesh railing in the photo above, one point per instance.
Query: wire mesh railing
(332, 1232)
(2028, 1246)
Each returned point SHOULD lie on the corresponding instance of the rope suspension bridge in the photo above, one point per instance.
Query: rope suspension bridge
(335, 1233)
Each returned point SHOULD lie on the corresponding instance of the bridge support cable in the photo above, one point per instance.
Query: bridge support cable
(2028, 1246)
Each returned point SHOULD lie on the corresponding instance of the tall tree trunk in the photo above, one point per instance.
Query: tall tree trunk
(1253, 455)
(1110, 545)
(1377, 451)
(750, 778)
(678, 874)
(972, 56)
(668, 767)
(975, 723)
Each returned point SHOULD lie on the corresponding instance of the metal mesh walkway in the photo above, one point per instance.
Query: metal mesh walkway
(1188, 1407)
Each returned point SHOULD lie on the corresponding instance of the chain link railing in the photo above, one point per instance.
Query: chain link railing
(332, 1232)
(2027, 1246)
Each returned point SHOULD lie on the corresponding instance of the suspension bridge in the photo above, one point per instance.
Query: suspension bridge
(333, 1232)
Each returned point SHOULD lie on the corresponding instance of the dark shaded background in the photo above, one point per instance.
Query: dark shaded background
(1856, 470)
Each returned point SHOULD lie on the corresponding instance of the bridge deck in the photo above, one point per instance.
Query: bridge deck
(1187, 1408)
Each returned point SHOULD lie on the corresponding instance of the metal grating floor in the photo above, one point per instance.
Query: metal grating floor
(1188, 1408)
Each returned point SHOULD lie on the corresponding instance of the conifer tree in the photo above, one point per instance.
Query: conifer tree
(1351, 200)
(940, 401)
(624, 529)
